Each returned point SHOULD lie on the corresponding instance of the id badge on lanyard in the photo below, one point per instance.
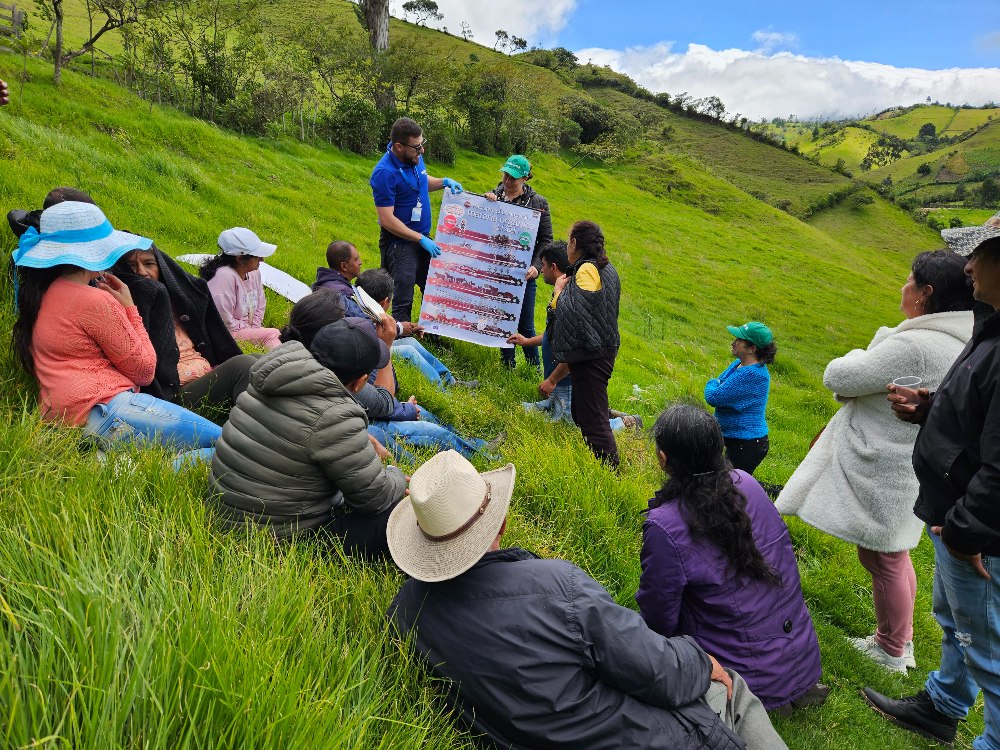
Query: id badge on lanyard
(417, 209)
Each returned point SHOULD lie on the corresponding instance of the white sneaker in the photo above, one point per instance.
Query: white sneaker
(876, 653)
(911, 663)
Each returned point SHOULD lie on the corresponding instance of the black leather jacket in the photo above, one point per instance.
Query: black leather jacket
(957, 453)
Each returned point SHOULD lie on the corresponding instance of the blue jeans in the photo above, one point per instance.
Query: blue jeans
(557, 406)
(426, 432)
(967, 608)
(141, 418)
(525, 327)
(412, 351)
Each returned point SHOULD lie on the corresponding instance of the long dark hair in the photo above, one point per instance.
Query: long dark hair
(699, 479)
(311, 313)
(208, 269)
(589, 242)
(945, 272)
(32, 284)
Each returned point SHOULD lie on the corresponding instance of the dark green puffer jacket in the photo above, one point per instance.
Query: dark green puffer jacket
(295, 439)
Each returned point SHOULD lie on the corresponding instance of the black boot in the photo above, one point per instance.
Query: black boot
(916, 713)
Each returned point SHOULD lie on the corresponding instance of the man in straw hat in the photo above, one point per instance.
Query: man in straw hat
(957, 461)
(538, 653)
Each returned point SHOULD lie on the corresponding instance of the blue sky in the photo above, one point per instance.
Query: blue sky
(767, 59)
(920, 34)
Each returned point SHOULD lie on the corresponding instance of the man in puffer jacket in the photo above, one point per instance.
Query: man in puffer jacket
(295, 455)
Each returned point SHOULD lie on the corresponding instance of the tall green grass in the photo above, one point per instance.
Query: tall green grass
(129, 621)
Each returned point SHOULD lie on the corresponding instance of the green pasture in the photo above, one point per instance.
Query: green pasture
(907, 124)
(967, 119)
(850, 144)
(129, 621)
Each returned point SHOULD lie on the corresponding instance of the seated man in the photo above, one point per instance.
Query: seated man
(295, 455)
(558, 385)
(344, 263)
(538, 653)
(378, 284)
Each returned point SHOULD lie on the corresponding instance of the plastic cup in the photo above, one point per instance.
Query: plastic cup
(908, 381)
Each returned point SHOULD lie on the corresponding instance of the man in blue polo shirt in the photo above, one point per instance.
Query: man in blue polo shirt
(401, 186)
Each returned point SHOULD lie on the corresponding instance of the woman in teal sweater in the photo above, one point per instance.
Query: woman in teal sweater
(739, 395)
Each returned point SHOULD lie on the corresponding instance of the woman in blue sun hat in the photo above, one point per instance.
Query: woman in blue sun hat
(739, 395)
(80, 335)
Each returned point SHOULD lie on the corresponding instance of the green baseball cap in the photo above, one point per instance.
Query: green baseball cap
(517, 166)
(756, 333)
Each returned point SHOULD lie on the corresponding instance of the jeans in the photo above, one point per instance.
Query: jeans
(412, 351)
(426, 432)
(141, 418)
(525, 327)
(407, 263)
(967, 607)
(746, 455)
(557, 406)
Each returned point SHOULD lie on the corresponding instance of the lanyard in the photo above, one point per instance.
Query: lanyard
(414, 188)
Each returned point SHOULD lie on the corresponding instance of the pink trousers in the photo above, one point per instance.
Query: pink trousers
(894, 589)
(266, 337)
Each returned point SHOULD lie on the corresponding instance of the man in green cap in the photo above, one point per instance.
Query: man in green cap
(514, 189)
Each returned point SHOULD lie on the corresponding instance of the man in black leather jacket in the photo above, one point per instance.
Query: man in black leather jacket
(957, 460)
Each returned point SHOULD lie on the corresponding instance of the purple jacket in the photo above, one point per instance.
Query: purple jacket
(761, 631)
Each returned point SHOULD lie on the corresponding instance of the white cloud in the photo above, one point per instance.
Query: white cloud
(538, 23)
(770, 41)
(772, 85)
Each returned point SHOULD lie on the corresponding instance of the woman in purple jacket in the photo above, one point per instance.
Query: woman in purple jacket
(718, 565)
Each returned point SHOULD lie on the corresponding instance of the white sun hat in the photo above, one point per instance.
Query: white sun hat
(963, 240)
(450, 519)
(75, 234)
(241, 241)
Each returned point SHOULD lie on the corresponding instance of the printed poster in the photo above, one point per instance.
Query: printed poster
(475, 287)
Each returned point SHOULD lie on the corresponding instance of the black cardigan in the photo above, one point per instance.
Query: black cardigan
(187, 296)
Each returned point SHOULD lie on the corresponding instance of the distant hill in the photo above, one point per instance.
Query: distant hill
(932, 154)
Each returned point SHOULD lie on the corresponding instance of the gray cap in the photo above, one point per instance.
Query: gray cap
(963, 240)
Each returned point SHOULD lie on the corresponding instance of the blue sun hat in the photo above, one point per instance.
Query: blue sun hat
(75, 234)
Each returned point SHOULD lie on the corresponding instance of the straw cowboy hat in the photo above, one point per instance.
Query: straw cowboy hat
(450, 519)
(75, 234)
(963, 240)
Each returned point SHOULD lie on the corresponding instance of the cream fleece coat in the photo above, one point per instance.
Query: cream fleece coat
(857, 482)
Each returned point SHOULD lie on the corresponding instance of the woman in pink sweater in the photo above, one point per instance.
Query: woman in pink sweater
(234, 279)
(80, 335)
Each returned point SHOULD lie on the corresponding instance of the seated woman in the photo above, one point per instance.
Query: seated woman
(234, 279)
(197, 360)
(79, 333)
(718, 565)
(295, 455)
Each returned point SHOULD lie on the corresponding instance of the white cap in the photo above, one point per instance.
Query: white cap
(241, 241)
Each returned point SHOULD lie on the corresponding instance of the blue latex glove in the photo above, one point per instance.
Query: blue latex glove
(430, 246)
(456, 187)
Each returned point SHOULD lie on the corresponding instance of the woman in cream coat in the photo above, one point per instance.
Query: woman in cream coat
(857, 482)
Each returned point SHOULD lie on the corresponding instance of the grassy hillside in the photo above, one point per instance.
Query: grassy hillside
(129, 621)
(772, 175)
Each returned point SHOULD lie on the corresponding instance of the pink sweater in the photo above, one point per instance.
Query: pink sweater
(87, 348)
(241, 302)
